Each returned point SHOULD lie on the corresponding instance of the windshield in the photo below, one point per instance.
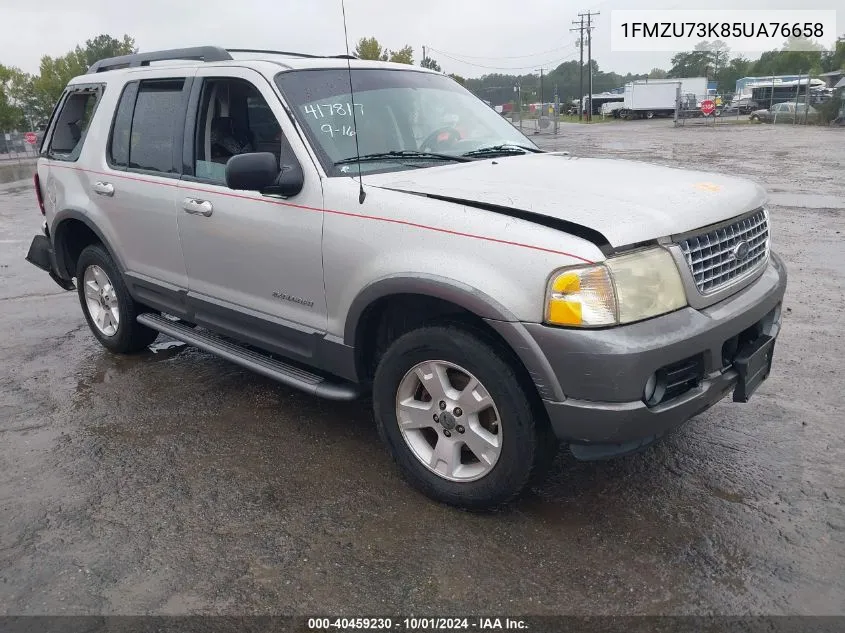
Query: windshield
(405, 120)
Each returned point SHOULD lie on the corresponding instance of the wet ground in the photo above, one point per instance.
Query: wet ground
(174, 482)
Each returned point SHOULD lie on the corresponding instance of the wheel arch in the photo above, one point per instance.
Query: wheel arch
(455, 292)
(72, 231)
(426, 297)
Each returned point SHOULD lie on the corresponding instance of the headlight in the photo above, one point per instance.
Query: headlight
(623, 289)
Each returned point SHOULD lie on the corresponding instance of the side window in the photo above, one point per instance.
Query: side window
(158, 111)
(118, 152)
(263, 124)
(72, 124)
(233, 119)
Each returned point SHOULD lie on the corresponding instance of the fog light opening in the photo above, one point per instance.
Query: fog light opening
(654, 390)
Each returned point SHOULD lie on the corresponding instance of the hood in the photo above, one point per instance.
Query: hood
(627, 202)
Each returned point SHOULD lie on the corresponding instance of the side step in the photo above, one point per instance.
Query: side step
(254, 361)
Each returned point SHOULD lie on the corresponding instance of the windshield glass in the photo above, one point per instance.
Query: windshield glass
(395, 111)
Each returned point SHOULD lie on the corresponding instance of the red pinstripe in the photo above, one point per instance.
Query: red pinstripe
(185, 185)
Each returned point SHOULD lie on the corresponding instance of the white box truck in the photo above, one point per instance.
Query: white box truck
(647, 98)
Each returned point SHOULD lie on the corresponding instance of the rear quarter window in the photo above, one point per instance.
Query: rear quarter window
(72, 122)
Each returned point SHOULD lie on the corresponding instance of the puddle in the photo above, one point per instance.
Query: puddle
(163, 346)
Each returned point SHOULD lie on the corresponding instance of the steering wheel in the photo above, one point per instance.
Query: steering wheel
(433, 140)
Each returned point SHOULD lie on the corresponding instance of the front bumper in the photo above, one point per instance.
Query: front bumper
(42, 255)
(604, 372)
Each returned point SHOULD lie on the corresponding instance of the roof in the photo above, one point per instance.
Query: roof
(840, 84)
(833, 73)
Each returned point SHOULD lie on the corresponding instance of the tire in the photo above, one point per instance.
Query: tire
(649, 115)
(526, 445)
(104, 280)
(755, 118)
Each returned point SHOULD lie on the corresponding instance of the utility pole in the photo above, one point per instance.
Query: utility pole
(580, 30)
(541, 89)
(806, 100)
(423, 53)
(542, 96)
(589, 28)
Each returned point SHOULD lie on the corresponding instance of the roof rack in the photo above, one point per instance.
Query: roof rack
(200, 53)
(197, 53)
(289, 53)
(264, 50)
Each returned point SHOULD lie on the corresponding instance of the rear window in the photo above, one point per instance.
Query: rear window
(72, 122)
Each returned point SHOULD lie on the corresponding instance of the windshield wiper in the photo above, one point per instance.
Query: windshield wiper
(402, 155)
(502, 148)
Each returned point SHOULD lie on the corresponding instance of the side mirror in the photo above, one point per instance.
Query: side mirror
(260, 171)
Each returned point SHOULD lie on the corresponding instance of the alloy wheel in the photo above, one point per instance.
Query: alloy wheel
(101, 299)
(449, 420)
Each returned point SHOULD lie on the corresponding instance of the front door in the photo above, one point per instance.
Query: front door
(254, 262)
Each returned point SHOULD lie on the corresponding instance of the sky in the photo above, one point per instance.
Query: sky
(467, 37)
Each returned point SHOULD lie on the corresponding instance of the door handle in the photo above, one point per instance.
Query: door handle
(103, 188)
(197, 207)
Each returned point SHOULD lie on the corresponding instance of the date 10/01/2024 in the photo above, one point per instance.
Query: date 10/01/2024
(418, 624)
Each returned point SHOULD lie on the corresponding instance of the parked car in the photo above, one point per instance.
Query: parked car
(786, 113)
(735, 108)
(405, 241)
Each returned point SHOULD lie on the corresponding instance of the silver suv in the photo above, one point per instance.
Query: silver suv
(350, 227)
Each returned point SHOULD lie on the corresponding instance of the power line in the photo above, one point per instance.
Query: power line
(532, 66)
(492, 57)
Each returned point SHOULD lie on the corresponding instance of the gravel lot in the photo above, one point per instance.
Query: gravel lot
(173, 482)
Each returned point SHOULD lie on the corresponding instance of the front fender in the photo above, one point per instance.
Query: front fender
(456, 292)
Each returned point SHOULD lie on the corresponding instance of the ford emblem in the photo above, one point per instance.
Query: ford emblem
(741, 251)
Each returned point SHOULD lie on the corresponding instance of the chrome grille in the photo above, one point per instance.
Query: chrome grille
(712, 256)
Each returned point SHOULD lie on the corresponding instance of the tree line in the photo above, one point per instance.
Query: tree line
(709, 59)
(26, 100)
(714, 60)
(370, 48)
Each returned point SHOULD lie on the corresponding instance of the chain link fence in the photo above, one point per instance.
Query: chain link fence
(714, 110)
(533, 124)
(14, 146)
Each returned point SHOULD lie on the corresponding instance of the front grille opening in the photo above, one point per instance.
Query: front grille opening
(673, 381)
(718, 257)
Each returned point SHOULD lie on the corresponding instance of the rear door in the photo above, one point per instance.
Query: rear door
(136, 185)
(254, 262)
(59, 173)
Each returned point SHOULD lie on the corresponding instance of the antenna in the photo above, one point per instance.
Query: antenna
(361, 193)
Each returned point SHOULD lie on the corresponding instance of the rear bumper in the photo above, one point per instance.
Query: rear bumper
(42, 255)
(604, 372)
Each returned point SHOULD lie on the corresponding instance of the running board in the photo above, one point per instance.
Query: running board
(254, 361)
